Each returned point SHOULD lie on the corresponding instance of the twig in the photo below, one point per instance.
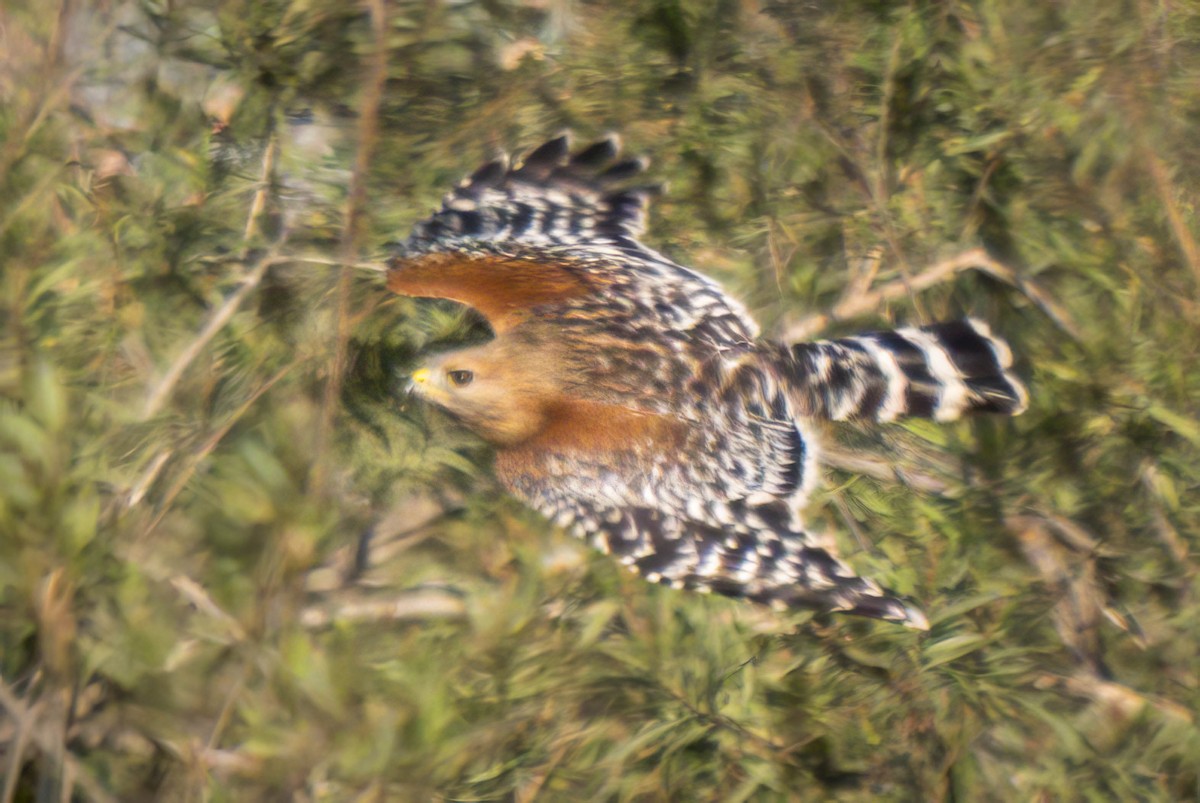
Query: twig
(224, 716)
(857, 463)
(161, 392)
(138, 491)
(880, 190)
(226, 712)
(368, 134)
(17, 747)
(1179, 226)
(970, 222)
(79, 775)
(400, 528)
(206, 448)
(316, 259)
(418, 605)
(868, 270)
(723, 722)
(1124, 697)
(974, 258)
(531, 791)
(264, 187)
(1079, 601)
(779, 261)
(843, 509)
(22, 133)
(1167, 533)
(196, 594)
(868, 300)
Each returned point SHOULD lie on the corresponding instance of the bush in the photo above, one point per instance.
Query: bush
(235, 562)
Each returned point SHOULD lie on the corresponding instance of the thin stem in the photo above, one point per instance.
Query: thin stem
(161, 392)
(867, 301)
(368, 135)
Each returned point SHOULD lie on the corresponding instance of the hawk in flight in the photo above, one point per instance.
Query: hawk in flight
(632, 401)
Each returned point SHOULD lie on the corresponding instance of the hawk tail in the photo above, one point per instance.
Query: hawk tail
(942, 371)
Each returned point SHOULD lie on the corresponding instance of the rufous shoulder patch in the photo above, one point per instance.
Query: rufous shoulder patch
(501, 288)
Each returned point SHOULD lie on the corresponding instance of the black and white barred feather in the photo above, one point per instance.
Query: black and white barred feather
(941, 372)
(710, 496)
(549, 198)
(761, 553)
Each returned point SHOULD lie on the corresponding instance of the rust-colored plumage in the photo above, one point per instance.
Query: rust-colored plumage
(590, 430)
(632, 401)
(503, 290)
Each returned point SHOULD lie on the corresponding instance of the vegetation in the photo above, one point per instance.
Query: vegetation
(236, 563)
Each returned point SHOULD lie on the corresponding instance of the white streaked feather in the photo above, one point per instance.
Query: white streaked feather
(897, 383)
(953, 394)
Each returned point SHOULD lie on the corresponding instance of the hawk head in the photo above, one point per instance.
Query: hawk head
(500, 390)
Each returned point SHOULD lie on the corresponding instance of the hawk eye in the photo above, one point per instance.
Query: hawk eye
(461, 378)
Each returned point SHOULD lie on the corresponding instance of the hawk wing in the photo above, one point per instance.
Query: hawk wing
(555, 233)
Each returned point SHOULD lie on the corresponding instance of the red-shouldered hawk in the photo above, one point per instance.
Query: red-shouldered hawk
(632, 401)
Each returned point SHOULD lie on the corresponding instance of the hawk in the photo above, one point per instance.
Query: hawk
(633, 402)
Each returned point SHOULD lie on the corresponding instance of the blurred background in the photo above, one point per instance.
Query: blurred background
(236, 563)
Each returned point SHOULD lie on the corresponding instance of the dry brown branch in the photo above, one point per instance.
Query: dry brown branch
(1081, 601)
(16, 751)
(162, 391)
(1167, 197)
(1166, 532)
(368, 134)
(197, 457)
(259, 203)
(1114, 707)
(138, 490)
(316, 259)
(52, 96)
(858, 463)
(48, 740)
(880, 189)
(194, 593)
(868, 301)
(411, 606)
(1101, 690)
(402, 526)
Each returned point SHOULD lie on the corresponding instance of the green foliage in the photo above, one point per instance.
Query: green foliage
(235, 565)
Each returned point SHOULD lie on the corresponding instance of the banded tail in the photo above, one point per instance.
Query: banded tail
(941, 371)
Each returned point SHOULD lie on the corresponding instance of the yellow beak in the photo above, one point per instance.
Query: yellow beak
(420, 376)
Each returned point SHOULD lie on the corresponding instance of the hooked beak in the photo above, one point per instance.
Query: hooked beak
(418, 380)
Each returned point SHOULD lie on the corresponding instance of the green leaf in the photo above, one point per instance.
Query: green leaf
(1188, 428)
(952, 648)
